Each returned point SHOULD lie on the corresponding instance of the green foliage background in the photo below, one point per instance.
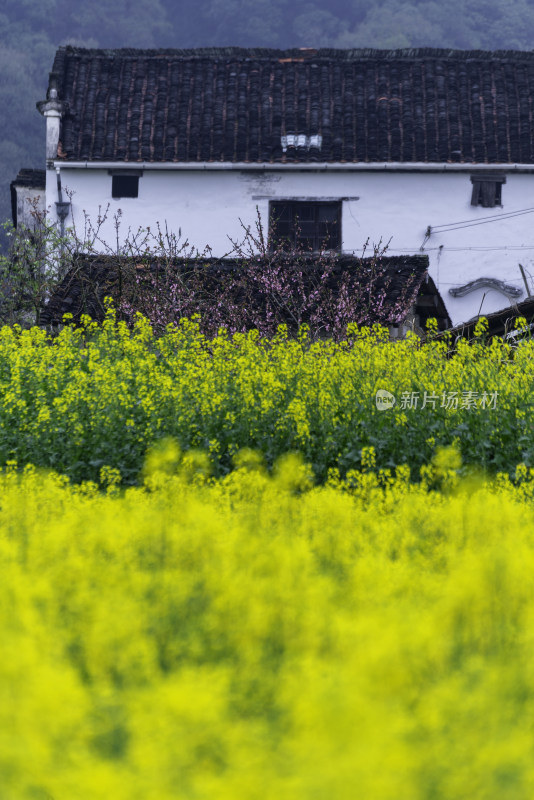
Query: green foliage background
(30, 33)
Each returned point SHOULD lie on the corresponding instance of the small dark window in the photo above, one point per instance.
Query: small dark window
(125, 186)
(306, 225)
(487, 190)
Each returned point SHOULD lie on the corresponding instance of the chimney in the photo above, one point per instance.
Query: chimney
(51, 109)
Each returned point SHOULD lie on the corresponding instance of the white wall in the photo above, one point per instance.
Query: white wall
(29, 200)
(396, 207)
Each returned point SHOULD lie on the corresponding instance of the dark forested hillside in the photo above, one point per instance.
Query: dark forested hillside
(30, 32)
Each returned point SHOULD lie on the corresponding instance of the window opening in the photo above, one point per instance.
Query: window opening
(306, 225)
(487, 190)
(125, 186)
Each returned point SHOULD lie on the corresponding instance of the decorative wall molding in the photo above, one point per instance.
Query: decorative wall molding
(486, 283)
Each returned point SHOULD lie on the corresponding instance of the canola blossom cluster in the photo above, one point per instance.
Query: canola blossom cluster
(100, 395)
(258, 637)
(264, 569)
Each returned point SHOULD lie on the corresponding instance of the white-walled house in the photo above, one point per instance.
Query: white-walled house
(429, 150)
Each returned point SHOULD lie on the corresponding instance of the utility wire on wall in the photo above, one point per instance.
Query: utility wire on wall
(461, 224)
(489, 249)
(492, 217)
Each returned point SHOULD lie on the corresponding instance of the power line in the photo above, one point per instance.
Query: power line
(493, 248)
(484, 220)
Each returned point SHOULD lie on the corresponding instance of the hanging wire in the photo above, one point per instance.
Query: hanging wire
(492, 216)
(489, 249)
(454, 226)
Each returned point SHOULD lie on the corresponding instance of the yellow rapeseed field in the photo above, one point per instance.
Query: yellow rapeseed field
(255, 637)
(99, 395)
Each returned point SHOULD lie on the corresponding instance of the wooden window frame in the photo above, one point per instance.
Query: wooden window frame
(309, 230)
(487, 190)
(125, 183)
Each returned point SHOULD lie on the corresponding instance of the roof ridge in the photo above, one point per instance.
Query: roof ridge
(345, 54)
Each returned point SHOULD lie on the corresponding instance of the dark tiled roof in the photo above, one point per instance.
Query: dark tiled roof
(31, 178)
(500, 323)
(233, 104)
(404, 281)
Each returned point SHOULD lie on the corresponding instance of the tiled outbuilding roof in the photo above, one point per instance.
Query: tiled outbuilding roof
(500, 323)
(235, 105)
(402, 284)
(30, 178)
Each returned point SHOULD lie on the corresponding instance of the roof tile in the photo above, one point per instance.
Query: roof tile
(234, 104)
